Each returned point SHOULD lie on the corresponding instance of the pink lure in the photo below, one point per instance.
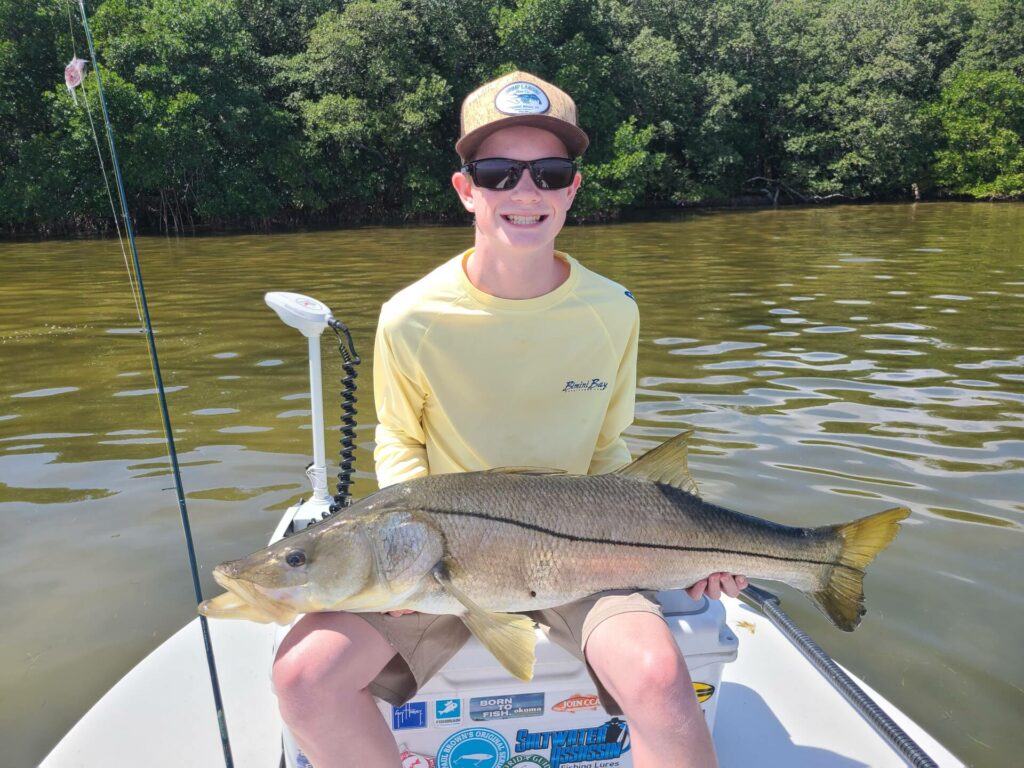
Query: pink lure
(74, 72)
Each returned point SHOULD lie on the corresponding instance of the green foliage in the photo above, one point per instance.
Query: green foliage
(982, 126)
(348, 110)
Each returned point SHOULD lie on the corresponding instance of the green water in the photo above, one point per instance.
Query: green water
(833, 362)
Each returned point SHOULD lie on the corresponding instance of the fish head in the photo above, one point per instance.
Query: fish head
(310, 571)
(365, 562)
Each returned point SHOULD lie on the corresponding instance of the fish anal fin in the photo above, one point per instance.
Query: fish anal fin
(841, 597)
(668, 464)
(510, 637)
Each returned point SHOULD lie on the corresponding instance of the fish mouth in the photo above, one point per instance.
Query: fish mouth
(251, 594)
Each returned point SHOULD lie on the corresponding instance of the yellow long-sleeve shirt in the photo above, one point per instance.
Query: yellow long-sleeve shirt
(466, 381)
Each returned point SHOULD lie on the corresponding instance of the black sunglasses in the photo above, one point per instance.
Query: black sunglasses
(503, 173)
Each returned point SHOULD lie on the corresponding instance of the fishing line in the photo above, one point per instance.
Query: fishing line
(103, 170)
(161, 395)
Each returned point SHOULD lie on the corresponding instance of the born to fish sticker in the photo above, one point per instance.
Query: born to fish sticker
(704, 691)
(473, 748)
(576, 703)
(521, 99)
(506, 707)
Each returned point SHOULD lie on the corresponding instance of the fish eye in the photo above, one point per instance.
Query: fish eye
(295, 558)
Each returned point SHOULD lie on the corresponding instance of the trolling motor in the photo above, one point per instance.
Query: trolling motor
(310, 317)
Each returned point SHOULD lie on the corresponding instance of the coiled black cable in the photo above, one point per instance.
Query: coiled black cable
(350, 359)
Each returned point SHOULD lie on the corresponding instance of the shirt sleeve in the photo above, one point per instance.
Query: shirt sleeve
(611, 452)
(400, 453)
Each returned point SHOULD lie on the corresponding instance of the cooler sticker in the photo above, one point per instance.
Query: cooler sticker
(704, 691)
(507, 707)
(448, 711)
(412, 760)
(521, 99)
(576, 703)
(473, 748)
(577, 746)
(411, 715)
(631, 295)
(528, 761)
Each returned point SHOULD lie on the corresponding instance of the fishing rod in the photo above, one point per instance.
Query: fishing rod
(769, 605)
(161, 394)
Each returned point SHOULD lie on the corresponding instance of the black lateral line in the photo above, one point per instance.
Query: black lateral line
(612, 542)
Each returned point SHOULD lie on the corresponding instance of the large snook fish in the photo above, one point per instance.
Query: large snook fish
(488, 545)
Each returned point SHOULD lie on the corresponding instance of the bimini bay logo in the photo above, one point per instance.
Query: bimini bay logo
(590, 385)
(577, 745)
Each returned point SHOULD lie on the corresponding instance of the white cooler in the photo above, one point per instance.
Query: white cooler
(474, 714)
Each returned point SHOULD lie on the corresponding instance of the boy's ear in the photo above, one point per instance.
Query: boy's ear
(464, 186)
(574, 188)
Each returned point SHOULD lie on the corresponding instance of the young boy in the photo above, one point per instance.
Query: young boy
(510, 354)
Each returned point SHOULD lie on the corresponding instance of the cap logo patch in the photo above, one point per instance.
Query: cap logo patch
(521, 99)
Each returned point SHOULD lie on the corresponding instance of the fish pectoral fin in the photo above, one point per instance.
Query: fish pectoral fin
(510, 637)
(668, 464)
(231, 606)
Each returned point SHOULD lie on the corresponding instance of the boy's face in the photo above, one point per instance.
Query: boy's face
(524, 217)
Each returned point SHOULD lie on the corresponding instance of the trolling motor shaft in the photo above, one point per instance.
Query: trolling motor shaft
(310, 317)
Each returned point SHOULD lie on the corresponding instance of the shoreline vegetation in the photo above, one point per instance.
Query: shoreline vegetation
(270, 115)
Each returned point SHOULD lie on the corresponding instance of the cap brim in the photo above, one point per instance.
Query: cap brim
(575, 140)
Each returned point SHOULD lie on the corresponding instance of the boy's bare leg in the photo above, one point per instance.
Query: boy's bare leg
(636, 657)
(321, 675)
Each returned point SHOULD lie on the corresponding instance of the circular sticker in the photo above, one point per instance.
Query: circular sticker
(528, 761)
(476, 747)
(521, 99)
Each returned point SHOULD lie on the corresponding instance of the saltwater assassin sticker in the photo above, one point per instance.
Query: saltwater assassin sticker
(577, 746)
(507, 707)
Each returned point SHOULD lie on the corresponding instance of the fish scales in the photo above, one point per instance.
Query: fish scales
(522, 542)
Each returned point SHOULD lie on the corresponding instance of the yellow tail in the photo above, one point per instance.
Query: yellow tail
(842, 596)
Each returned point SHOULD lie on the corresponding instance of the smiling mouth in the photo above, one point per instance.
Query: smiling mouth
(524, 220)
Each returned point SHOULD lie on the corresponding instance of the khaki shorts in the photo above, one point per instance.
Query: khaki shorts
(424, 642)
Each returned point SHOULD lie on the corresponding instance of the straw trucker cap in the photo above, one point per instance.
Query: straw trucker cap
(519, 98)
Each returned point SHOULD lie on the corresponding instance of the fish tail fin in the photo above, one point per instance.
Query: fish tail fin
(841, 597)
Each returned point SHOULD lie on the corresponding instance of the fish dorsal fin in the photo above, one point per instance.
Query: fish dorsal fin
(523, 471)
(510, 637)
(665, 464)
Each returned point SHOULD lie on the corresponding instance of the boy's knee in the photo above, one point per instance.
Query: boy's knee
(309, 678)
(656, 674)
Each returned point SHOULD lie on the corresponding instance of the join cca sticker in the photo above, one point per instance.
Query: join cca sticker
(478, 747)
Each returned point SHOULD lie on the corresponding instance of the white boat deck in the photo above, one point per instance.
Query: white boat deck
(774, 710)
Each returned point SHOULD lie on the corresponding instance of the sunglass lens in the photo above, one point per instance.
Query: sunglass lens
(496, 173)
(553, 172)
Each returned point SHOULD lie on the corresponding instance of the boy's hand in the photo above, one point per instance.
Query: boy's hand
(717, 583)
(402, 612)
